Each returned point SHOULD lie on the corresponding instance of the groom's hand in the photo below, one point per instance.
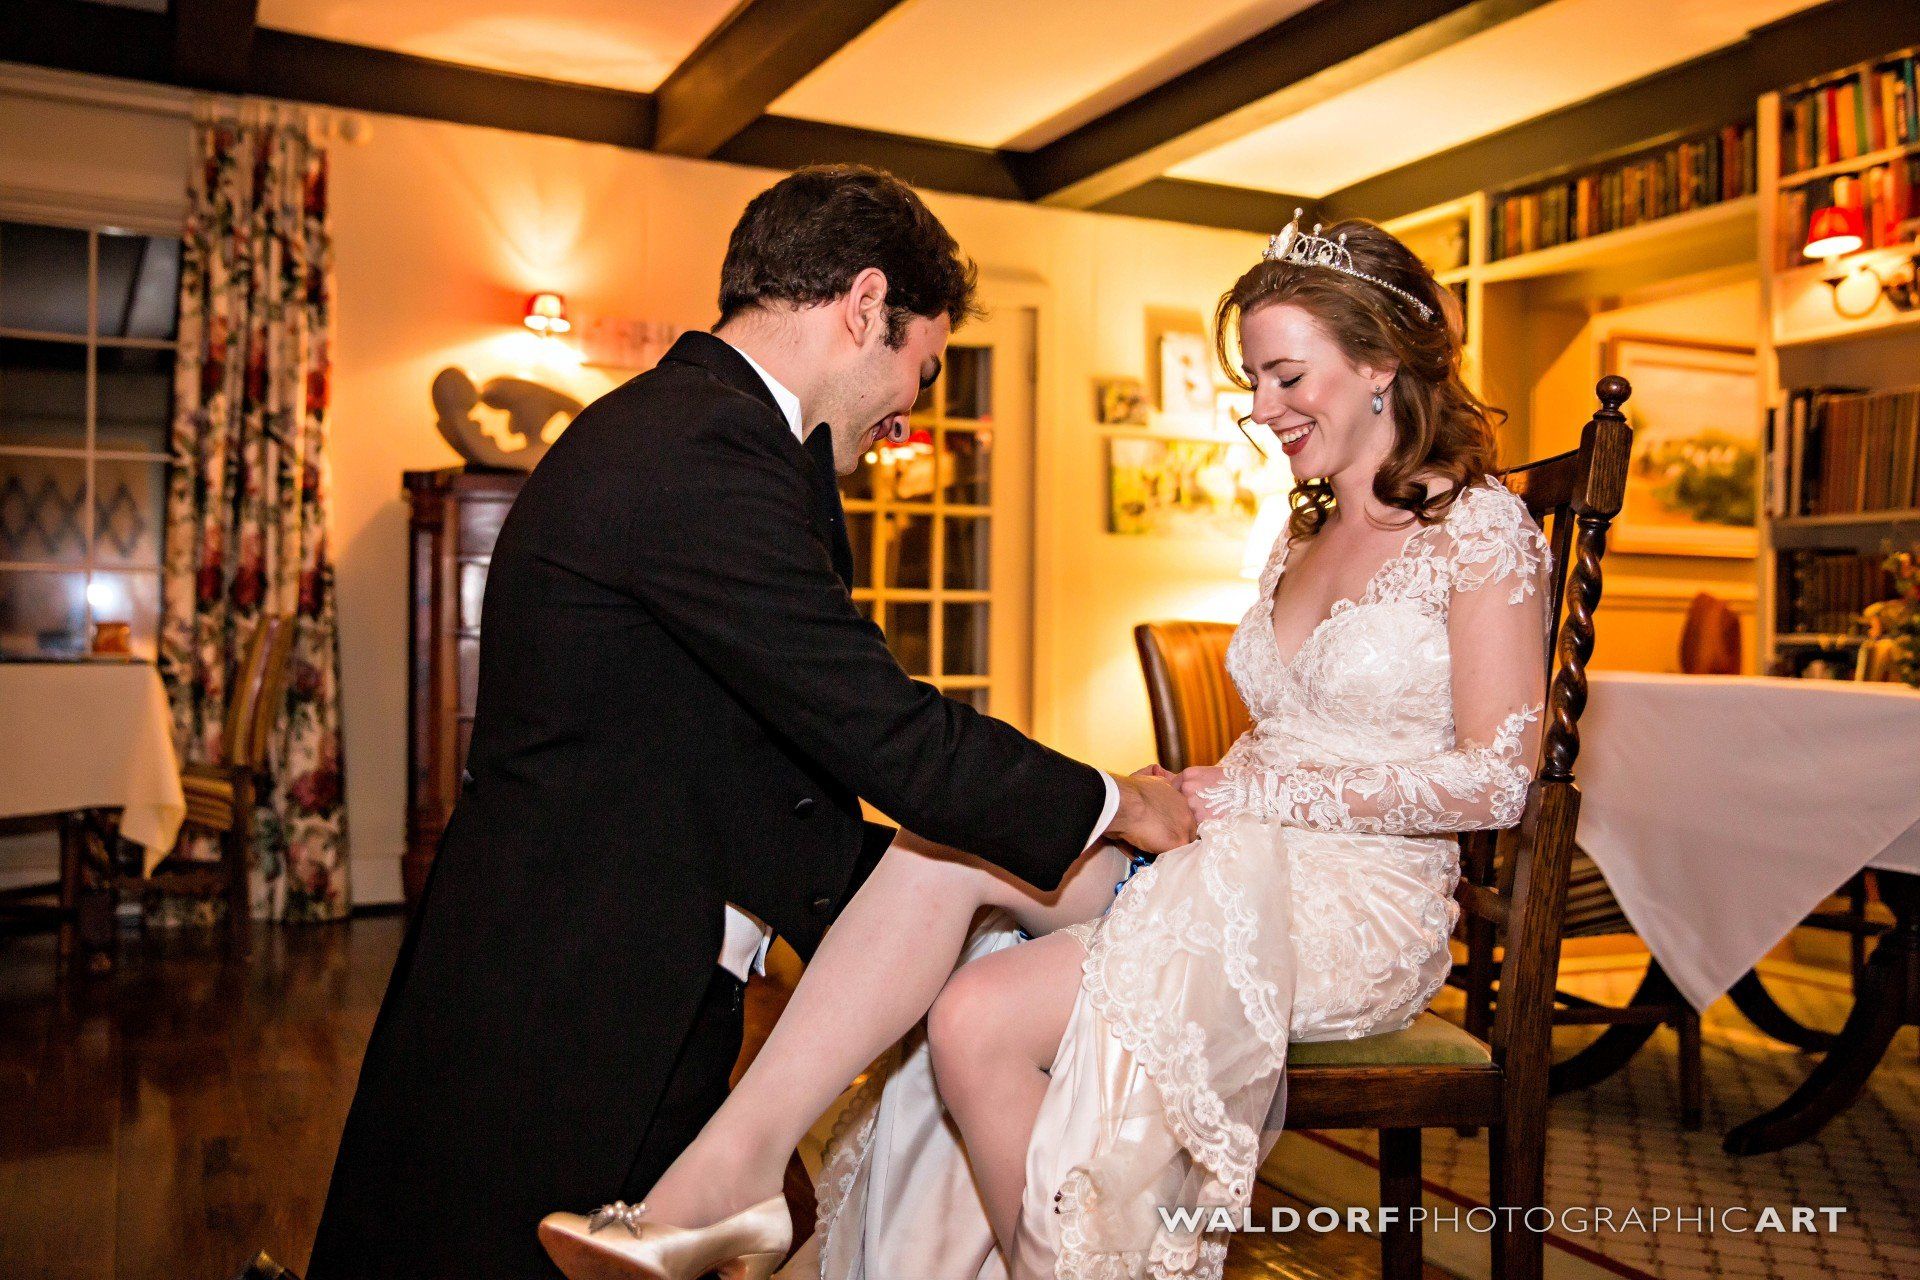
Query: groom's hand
(1153, 816)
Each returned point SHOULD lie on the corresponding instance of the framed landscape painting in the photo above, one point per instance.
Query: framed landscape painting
(1693, 487)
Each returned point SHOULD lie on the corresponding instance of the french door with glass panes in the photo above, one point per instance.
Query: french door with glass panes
(942, 526)
(87, 343)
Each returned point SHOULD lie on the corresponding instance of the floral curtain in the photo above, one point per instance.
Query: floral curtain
(247, 505)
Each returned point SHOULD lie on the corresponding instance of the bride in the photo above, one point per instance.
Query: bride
(1090, 1057)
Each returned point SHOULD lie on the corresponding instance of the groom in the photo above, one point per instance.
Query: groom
(680, 710)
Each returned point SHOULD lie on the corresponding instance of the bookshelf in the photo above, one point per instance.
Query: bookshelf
(1504, 302)
(1643, 186)
(1451, 239)
(1746, 215)
(1841, 364)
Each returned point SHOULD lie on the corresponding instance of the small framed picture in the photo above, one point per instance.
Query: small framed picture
(1163, 487)
(1231, 408)
(1186, 377)
(1119, 402)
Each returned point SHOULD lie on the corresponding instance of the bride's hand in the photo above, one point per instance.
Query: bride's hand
(1193, 782)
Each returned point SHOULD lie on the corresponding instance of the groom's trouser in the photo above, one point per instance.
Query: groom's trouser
(697, 1085)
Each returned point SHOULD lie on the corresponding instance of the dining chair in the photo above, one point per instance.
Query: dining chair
(1197, 713)
(221, 795)
(1710, 640)
(1710, 644)
(1512, 894)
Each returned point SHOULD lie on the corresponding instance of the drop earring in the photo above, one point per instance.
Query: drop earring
(1380, 402)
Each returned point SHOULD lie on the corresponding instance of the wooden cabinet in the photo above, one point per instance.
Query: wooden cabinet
(456, 518)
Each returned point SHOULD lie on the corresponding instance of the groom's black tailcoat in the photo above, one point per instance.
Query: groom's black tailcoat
(679, 707)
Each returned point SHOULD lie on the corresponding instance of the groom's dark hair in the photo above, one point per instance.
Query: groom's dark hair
(804, 239)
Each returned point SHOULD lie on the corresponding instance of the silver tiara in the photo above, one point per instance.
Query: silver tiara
(1317, 251)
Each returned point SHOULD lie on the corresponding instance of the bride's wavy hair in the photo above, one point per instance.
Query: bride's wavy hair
(1443, 428)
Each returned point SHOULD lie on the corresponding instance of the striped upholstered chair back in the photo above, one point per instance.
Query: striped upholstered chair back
(1197, 713)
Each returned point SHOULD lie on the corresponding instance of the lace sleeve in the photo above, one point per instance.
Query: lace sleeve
(1496, 564)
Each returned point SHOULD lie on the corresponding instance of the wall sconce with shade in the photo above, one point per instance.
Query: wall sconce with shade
(1839, 230)
(547, 315)
(1835, 231)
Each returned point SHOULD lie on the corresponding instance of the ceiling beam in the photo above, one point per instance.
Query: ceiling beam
(213, 41)
(1318, 53)
(356, 78)
(763, 49)
(1716, 89)
(1207, 204)
(781, 142)
(135, 44)
(103, 40)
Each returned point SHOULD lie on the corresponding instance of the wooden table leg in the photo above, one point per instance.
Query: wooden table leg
(86, 909)
(1887, 998)
(1752, 998)
(72, 853)
(1613, 1048)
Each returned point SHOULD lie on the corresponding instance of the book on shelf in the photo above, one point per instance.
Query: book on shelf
(1823, 592)
(1886, 196)
(1689, 174)
(1861, 111)
(1844, 451)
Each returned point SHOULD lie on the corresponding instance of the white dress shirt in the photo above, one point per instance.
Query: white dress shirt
(743, 949)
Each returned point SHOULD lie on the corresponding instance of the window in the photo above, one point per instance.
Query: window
(919, 515)
(87, 349)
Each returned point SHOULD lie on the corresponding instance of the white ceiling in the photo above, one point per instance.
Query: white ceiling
(622, 44)
(995, 73)
(1549, 58)
(1019, 73)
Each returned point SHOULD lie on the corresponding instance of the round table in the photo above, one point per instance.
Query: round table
(1723, 809)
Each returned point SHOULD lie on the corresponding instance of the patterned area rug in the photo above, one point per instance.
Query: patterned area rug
(1619, 1144)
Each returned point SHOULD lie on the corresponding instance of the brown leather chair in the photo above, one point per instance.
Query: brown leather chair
(220, 794)
(1710, 642)
(1512, 893)
(1197, 713)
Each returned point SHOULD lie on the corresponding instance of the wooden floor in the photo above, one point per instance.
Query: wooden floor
(170, 1120)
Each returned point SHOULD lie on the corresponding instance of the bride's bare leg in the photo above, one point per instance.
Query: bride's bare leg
(994, 1032)
(874, 975)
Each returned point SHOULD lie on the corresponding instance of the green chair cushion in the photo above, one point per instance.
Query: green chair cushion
(1430, 1041)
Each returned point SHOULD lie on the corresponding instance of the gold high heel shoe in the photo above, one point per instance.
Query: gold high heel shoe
(616, 1243)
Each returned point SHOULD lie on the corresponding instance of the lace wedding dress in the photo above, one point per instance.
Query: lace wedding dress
(1317, 908)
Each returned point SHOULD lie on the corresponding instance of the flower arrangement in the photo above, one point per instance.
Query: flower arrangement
(1898, 619)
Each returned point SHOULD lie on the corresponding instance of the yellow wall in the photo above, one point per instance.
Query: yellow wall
(1558, 361)
(441, 231)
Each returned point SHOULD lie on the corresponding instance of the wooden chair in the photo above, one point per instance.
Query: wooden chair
(1512, 891)
(1197, 713)
(221, 795)
(1710, 644)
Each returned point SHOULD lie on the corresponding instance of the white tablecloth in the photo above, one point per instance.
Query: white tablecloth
(85, 735)
(1722, 809)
